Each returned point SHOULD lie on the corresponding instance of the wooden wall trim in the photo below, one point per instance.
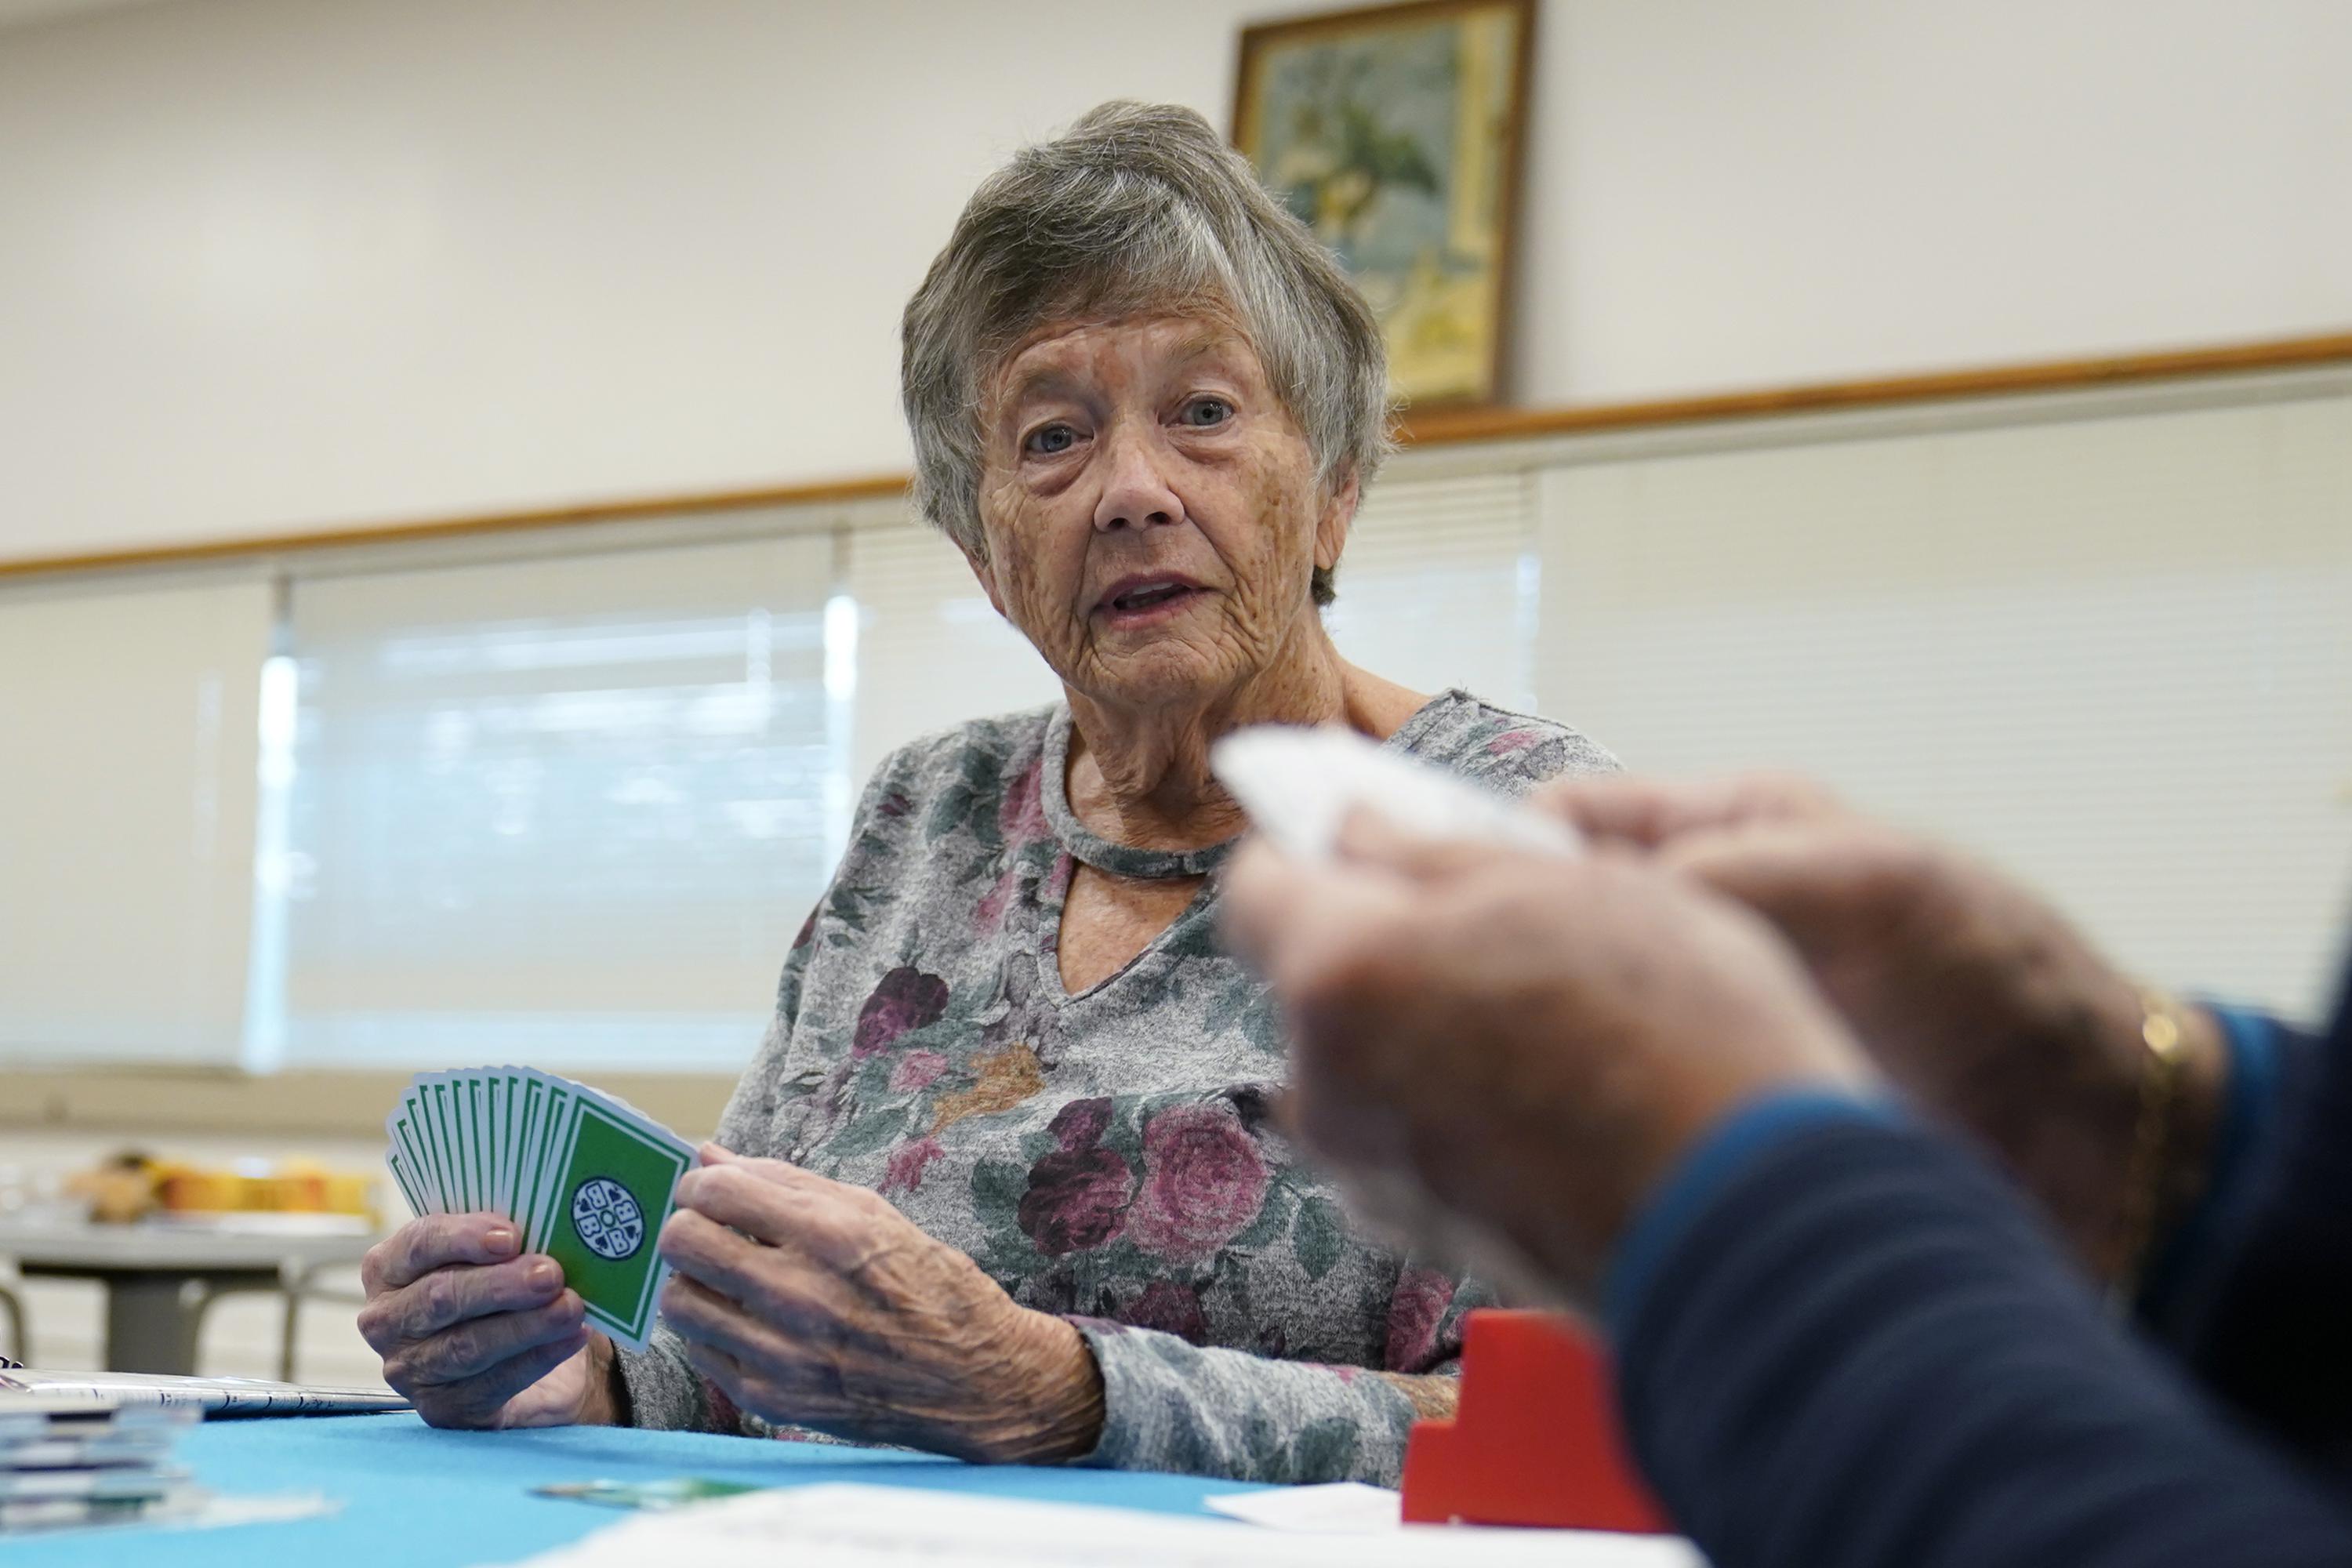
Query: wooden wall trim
(1437, 427)
(301, 541)
(1442, 427)
(313, 1103)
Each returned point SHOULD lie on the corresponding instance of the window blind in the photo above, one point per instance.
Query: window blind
(564, 811)
(2112, 653)
(931, 651)
(1439, 585)
(126, 818)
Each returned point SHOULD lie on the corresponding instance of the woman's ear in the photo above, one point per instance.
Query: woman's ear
(1331, 528)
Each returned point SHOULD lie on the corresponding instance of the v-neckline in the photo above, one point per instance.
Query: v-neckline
(1079, 845)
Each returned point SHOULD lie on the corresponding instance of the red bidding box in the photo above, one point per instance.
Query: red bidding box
(1534, 1440)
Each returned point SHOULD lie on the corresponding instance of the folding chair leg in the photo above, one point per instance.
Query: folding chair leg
(286, 1336)
(19, 1341)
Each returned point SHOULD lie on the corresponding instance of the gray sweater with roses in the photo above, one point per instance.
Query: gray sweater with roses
(1107, 1156)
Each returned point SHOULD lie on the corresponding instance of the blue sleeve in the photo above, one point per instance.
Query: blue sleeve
(1716, 1160)
(2264, 1057)
(2257, 1301)
(1846, 1341)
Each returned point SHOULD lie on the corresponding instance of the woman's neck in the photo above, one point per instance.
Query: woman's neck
(1140, 775)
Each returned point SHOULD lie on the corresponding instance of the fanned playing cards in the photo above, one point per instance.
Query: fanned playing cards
(586, 1178)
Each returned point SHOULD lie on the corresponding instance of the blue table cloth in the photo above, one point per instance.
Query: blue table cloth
(423, 1499)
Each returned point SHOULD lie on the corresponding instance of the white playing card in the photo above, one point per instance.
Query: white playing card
(401, 1129)
(468, 1085)
(523, 1166)
(501, 1139)
(461, 1139)
(443, 1122)
(408, 1188)
(1299, 784)
(538, 1206)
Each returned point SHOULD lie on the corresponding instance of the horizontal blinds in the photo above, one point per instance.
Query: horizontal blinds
(561, 812)
(127, 819)
(2112, 654)
(1438, 584)
(932, 652)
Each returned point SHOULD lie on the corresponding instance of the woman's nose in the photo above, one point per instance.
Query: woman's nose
(1136, 494)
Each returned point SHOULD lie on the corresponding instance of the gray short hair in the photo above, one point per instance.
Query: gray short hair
(1137, 207)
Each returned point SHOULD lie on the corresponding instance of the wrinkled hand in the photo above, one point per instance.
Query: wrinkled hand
(474, 1335)
(1984, 1003)
(1502, 1054)
(818, 1304)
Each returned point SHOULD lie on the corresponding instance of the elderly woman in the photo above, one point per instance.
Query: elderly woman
(1003, 1182)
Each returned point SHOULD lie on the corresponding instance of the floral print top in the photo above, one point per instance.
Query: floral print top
(1108, 1156)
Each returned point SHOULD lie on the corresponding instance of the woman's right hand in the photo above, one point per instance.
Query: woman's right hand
(475, 1335)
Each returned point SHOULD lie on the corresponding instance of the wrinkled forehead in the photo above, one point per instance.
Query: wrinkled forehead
(1072, 354)
(1122, 295)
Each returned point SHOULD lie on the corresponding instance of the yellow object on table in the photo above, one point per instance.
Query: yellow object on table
(131, 1185)
(291, 1186)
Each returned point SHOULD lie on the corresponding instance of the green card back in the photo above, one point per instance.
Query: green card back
(612, 1194)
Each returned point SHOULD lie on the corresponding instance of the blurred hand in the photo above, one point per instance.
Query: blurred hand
(820, 1305)
(1979, 1000)
(474, 1335)
(1502, 1054)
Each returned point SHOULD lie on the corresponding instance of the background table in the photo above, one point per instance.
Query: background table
(422, 1498)
(158, 1276)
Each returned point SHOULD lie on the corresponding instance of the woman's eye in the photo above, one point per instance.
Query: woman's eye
(1048, 439)
(1202, 412)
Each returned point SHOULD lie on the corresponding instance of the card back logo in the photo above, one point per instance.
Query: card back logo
(607, 1218)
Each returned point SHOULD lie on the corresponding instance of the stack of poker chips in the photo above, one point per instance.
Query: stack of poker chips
(68, 1461)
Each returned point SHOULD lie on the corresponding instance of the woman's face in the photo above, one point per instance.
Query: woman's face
(1150, 510)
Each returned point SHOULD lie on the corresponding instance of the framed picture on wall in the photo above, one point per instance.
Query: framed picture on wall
(1394, 133)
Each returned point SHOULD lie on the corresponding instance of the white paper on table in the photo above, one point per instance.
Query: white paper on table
(1338, 1506)
(870, 1527)
(217, 1395)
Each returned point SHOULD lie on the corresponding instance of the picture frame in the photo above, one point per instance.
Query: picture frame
(1395, 132)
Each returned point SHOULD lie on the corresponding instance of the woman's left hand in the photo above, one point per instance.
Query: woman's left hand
(820, 1305)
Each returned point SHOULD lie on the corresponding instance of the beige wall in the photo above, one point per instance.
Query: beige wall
(267, 263)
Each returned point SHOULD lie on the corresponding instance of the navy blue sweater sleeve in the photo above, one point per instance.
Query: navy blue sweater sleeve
(2258, 1302)
(2269, 1067)
(1859, 1348)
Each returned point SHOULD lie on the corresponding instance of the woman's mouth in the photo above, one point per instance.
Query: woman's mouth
(1143, 600)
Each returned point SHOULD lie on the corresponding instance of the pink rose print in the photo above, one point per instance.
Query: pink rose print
(1075, 1200)
(1510, 740)
(1079, 1124)
(908, 1163)
(1203, 1181)
(907, 999)
(1416, 1312)
(917, 1070)
(1022, 814)
(1171, 1309)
